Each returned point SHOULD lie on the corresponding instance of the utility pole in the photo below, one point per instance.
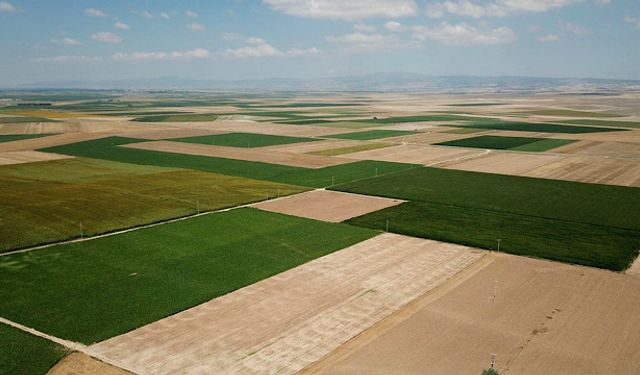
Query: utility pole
(499, 240)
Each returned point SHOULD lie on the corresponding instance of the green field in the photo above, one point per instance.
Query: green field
(534, 127)
(568, 113)
(351, 149)
(508, 143)
(371, 134)
(23, 119)
(107, 149)
(544, 204)
(247, 140)
(93, 290)
(615, 124)
(17, 137)
(192, 117)
(25, 354)
(57, 200)
(417, 118)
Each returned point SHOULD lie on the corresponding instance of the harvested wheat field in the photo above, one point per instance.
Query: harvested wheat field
(511, 163)
(21, 157)
(244, 126)
(591, 169)
(539, 317)
(256, 154)
(613, 149)
(418, 154)
(289, 321)
(332, 206)
(310, 147)
(157, 133)
(82, 364)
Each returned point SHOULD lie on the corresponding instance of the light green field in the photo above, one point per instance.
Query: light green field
(569, 113)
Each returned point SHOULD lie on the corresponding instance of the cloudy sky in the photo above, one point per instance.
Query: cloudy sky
(65, 40)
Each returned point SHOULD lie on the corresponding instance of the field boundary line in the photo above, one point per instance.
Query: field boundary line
(151, 225)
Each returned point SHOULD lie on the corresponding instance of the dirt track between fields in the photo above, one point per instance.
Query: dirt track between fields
(291, 320)
(539, 317)
(249, 154)
(325, 205)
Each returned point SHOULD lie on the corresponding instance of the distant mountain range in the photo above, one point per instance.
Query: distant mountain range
(394, 81)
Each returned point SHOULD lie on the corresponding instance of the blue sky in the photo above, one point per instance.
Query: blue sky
(64, 40)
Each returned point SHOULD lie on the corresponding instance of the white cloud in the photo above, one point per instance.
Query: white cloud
(548, 38)
(121, 26)
(573, 28)
(359, 42)
(93, 12)
(70, 42)
(366, 28)
(635, 21)
(191, 14)
(66, 59)
(142, 13)
(464, 34)
(164, 15)
(393, 26)
(229, 37)
(194, 26)
(298, 52)
(493, 8)
(198, 53)
(256, 41)
(260, 50)
(106, 37)
(7, 7)
(345, 10)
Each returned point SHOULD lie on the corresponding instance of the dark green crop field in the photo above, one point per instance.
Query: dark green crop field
(506, 206)
(23, 119)
(535, 127)
(508, 143)
(191, 117)
(371, 134)
(25, 354)
(108, 149)
(93, 290)
(248, 140)
(62, 199)
(17, 137)
(615, 124)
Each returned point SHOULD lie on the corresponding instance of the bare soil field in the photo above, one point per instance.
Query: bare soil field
(256, 154)
(632, 136)
(614, 149)
(429, 137)
(289, 321)
(81, 364)
(512, 163)
(539, 317)
(270, 128)
(325, 205)
(21, 157)
(417, 154)
(589, 169)
(167, 133)
(308, 147)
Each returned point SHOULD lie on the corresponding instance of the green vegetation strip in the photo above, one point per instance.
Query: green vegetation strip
(23, 119)
(108, 149)
(244, 140)
(352, 149)
(507, 207)
(615, 124)
(195, 117)
(534, 127)
(508, 143)
(25, 354)
(371, 134)
(93, 290)
(18, 137)
(568, 113)
(63, 199)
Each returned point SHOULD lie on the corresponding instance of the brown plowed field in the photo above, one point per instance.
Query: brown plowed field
(325, 205)
(289, 321)
(271, 128)
(255, 154)
(21, 157)
(417, 154)
(613, 149)
(539, 317)
(593, 170)
(513, 163)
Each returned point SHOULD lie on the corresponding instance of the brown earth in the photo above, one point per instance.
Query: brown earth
(512, 163)
(594, 170)
(48, 141)
(81, 364)
(417, 154)
(613, 149)
(270, 128)
(250, 154)
(289, 321)
(325, 205)
(539, 317)
(21, 157)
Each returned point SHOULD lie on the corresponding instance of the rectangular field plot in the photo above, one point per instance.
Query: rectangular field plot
(568, 221)
(371, 134)
(191, 117)
(63, 199)
(508, 143)
(18, 137)
(93, 290)
(246, 140)
(24, 353)
(536, 127)
(351, 149)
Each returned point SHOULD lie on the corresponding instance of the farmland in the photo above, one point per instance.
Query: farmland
(89, 197)
(247, 140)
(97, 289)
(17, 137)
(535, 127)
(23, 119)
(351, 149)
(195, 117)
(25, 354)
(508, 143)
(371, 134)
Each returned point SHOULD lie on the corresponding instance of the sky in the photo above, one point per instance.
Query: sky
(90, 40)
